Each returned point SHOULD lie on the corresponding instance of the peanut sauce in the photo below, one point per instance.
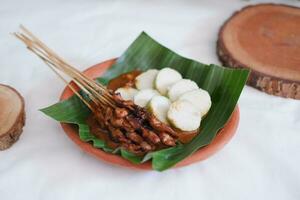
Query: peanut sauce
(123, 80)
(128, 80)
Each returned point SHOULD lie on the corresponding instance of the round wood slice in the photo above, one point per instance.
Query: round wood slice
(266, 39)
(12, 116)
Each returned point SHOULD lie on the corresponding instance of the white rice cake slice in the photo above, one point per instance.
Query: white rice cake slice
(159, 107)
(184, 116)
(199, 98)
(144, 96)
(146, 79)
(181, 87)
(165, 78)
(127, 93)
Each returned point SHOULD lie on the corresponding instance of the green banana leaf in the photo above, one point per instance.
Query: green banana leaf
(224, 85)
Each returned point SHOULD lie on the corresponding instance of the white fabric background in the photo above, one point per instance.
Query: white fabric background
(260, 162)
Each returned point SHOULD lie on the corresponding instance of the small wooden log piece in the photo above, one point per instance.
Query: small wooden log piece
(266, 39)
(12, 116)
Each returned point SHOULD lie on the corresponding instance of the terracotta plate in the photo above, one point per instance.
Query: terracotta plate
(221, 139)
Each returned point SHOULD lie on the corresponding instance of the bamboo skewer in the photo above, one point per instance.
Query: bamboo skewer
(50, 52)
(97, 93)
(71, 87)
(50, 64)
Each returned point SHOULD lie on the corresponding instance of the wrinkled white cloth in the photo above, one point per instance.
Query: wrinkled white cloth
(260, 162)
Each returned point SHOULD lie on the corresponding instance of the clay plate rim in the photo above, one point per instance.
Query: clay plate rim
(222, 138)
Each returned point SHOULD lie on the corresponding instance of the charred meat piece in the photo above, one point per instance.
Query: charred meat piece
(108, 114)
(159, 126)
(147, 147)
(135, 137)
(121, 112)
(150, 136)
(139, 140)
(118, 135)
(117, 122)
(127, 126)
(100, 119)
(141, 113)
(134, 122)
(123, 103)
(167, 139)
(136, 149)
